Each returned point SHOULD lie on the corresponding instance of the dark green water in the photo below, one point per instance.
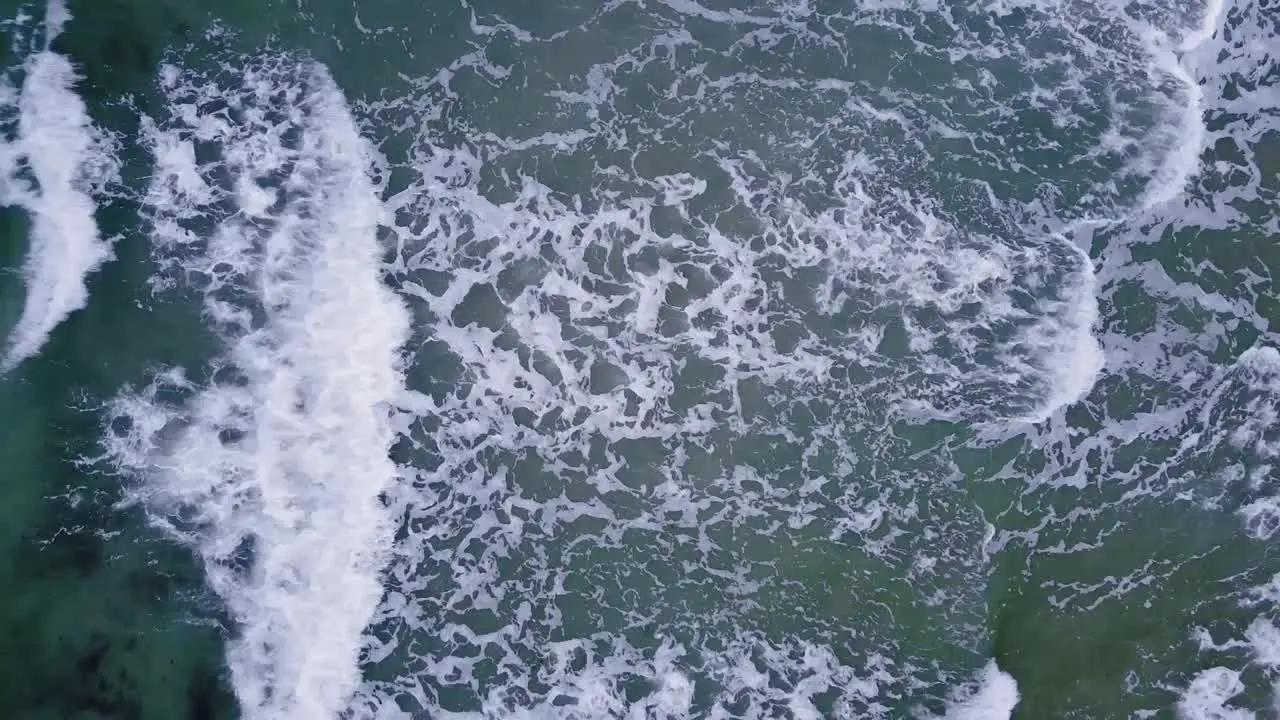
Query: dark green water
(651, 360)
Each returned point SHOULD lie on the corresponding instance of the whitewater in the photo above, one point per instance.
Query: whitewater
(711, 373)
(51, 165)
(278, 463)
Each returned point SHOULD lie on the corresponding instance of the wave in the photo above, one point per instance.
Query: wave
(994, 698)
(50, 169)
(274, 465)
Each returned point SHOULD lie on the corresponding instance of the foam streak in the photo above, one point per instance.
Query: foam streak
(57, 142)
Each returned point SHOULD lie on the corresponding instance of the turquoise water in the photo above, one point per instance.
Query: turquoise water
(640, 360)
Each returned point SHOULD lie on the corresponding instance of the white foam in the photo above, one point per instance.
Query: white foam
(1192, 39)
(997, 303)
(1264, 641)
(1181, 161)
(63, 151)
(56, 17)
(1254, 419)
(827, 235)
(1030, 361)
(1209, 694)
(274, 469)
(994, 697)
(1179, 58)
(1069, 352)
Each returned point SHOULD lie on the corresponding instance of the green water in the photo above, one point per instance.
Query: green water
(1090, 602)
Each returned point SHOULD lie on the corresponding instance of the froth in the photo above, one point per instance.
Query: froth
(48, 169)
(994, 697)
(1248, 398)
(716, 361)
(274, 466)
(1209, 694)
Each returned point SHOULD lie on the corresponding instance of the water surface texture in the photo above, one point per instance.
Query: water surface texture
(640, 359)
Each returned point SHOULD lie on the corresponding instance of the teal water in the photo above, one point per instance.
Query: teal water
(648, 359)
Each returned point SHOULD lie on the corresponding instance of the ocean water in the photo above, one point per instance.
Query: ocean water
(640, 359)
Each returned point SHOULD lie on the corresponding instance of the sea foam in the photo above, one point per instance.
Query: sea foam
(994, 697)
(274, 466)
(48, 170)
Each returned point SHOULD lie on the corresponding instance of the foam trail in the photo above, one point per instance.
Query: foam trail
(1073, 356)
(1213, 13)
(994, 698)
(1183, 161)
(58, 143)
(275, 469)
